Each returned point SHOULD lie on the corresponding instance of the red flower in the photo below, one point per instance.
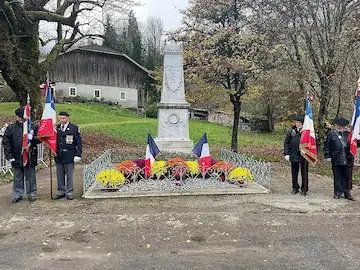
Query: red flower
(127, 167)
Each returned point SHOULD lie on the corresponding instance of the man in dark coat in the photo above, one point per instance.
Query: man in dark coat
(337, 151)
(12, 143)
(292, 154)
(69, 150)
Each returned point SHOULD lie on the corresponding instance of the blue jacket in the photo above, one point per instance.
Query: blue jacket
(69, 144)
(12, 142)
(291, 145)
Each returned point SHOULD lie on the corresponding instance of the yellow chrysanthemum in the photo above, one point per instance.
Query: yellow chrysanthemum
(240, 174)
(193, 167)
(159, 168)
(112, 178)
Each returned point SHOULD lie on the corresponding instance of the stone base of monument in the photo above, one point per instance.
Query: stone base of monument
(253, 188)
(174, 145)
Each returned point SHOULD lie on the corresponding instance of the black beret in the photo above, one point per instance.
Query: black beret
(19, 112)
(299, 118)
(341, 121)
(64, 114)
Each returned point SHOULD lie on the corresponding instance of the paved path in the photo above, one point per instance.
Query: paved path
(275, 231)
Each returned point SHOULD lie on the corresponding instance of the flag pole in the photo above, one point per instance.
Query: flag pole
(353, 157)
(305, 177)
(51, 180)
(29, 152)
(50, 157)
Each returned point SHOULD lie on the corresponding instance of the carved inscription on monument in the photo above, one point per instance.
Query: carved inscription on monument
(173, 77)
(172, 125)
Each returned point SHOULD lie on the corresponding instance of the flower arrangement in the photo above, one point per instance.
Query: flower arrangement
(110, 178)
(140, 163)
(178, 167)
(159, 168)
(176, 162)
(213, 161)
(223, 166)
(240, 175)
(127, 167)
(193, 167)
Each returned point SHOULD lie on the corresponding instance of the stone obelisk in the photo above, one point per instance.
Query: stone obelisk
(173, 115)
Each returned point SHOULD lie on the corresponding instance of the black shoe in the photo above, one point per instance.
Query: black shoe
(349, 197)
(16, 200)
(294, 191)
(32, 199)
(69, 197)
(303, 193)
(58, 196)
(336, 197)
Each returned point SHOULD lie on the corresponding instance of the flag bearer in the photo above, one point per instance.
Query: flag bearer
(337, 151)
(292, 154)
(69, 150)
(12, 142)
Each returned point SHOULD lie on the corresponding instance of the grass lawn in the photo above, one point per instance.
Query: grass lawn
(119, 123)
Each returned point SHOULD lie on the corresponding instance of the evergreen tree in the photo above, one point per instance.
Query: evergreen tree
(134, 43)
(111, 37)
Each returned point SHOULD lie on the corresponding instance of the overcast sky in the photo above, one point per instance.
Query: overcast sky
(167, 10)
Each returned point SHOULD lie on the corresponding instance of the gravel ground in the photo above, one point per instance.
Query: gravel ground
(274, 231)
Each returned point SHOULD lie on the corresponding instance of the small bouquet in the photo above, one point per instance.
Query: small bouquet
(193, 168)
(178, 167)
(110, 178)
(242, 176)
(223, 166)
(127, 167)
(159, 169)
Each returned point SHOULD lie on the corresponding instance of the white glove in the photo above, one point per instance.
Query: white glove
(328, 159)
(12, 160)
(77, 159)
(287, 158)
(30, 136)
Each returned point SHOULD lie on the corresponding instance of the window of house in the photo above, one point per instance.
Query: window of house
(72, 91)
(97, 93)
(122, 95)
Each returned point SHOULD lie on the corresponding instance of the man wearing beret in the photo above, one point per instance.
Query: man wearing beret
(69, 150)
(292, 153)
(12, 143)
(337, 151)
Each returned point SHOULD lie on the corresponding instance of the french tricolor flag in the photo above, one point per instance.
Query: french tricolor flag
(202, 150)
(47, 132)
(307, 139)
(151, 152)
(26, 131)
(355, 128)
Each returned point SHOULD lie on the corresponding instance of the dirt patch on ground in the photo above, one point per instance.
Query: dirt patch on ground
(95, 144)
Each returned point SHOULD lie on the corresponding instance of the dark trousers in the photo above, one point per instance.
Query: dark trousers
(304, 176)
(29, 175)
(65, 178)
(341, 179)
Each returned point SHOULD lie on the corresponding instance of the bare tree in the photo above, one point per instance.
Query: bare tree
(19, 37)
(153, 39)
(317, 37)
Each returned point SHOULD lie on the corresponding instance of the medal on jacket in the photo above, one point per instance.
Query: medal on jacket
(69, 139)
